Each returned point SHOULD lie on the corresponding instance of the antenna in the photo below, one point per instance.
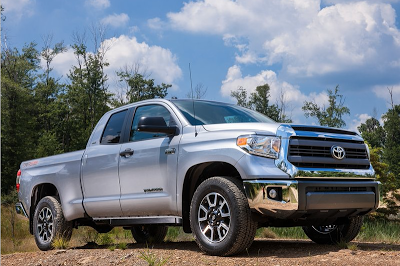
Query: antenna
(194, 110)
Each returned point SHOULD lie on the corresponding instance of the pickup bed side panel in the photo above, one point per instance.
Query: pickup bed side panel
(62, 171)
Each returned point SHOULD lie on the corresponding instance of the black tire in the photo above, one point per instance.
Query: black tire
(49, 223)
(220, 217)
(149, 233)
(334, 234)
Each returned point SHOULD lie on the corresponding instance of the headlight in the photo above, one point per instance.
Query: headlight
(266, 146)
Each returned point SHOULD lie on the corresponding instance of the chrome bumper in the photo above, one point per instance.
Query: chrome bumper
(280, 199)
(19, 208)
(285, 204)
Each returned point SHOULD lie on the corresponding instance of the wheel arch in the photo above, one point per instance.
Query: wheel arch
(38, 192)
(195, 176)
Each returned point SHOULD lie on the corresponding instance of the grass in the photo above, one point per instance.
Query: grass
(15, 236)
(60, 243)
(281, 233)
(151, 258)
(380, 231)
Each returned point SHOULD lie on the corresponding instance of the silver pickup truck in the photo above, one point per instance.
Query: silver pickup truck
(218, 170)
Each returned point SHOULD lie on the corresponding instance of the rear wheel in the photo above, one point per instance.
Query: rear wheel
(149, 233)
(333, 234)
(220, 217)
(49, 223)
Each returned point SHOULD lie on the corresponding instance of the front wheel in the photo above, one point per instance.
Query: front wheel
(333, 234)
(149, 233)
(49, 223)
(220, 217)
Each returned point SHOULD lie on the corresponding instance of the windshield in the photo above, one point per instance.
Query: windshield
(218, 113)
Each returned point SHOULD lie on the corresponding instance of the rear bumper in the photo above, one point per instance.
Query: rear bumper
(298, 199)
(20, 209)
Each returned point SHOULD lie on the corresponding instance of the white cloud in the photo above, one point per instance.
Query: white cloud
(19, 8)
(308, 41)
(62, 63)
(155, 23)
(99, 4)
(159, 62)
(294, 98)
(355, 123)
(382, 91)
(116, 20)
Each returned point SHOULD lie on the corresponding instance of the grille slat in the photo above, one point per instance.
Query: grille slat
(316, 153)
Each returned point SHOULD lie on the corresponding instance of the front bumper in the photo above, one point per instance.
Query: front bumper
(19, 208)
(301, 199)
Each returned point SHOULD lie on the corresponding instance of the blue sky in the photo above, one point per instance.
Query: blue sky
(300, 48)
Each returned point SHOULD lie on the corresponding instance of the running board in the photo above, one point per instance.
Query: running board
(125, 221)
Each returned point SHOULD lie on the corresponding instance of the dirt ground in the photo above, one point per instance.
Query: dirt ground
(262, 252)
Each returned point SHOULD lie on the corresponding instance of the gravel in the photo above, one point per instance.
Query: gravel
(262, 252)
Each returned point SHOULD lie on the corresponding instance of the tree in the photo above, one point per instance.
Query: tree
(18, 122)
(331, 116)
(87, 96)
(259, 101)
(392, 144)
(372, 132)
(241, 97)
(50, 110)
(387, 179)
(138, 87)
(198, 93)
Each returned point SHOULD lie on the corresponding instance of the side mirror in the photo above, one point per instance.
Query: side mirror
(155, 125)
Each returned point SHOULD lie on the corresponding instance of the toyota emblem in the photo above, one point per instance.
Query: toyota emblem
(338, 152)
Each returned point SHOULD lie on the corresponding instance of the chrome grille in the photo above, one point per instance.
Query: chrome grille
(316, 153)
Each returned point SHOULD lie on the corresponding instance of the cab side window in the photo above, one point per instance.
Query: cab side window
(113, 129)
(149, 111)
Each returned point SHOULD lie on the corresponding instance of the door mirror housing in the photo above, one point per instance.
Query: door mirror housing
(155, 125)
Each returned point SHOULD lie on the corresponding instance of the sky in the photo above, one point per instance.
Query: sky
(301, 48)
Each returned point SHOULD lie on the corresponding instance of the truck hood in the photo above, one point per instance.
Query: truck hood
(262, 128)
(271, 129)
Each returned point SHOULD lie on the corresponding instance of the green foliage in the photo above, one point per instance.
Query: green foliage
(151, 258)
(87, 95)
(392, 146)
(388, 181)
(60, 243)
(105, 240)
(18, 123)
(372, 132)
(176, 234)
(241, 97)
(138, 88)
(122, 245)
(259, 101)
(380, 230)
(331, 116)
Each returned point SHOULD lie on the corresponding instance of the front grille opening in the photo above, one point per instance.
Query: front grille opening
(313, 151)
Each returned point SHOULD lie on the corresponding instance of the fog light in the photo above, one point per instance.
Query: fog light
(272, 193)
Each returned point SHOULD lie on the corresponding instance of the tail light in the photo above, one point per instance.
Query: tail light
(18, 179)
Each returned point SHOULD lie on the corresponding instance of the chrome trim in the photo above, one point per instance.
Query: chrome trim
(19, 208)
(256, 192)
(286, 131)
(120, 221)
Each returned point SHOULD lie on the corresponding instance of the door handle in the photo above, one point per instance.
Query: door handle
(170, 151)
(126, 153)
